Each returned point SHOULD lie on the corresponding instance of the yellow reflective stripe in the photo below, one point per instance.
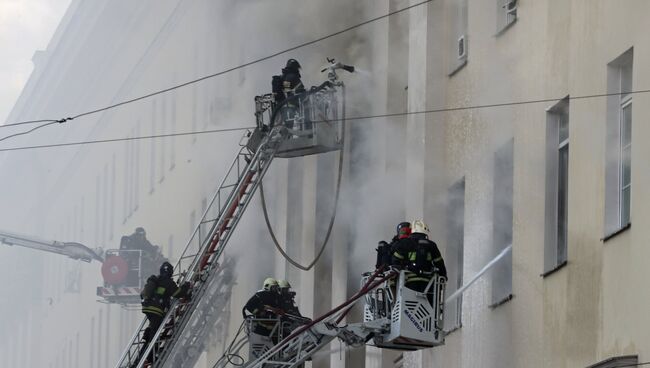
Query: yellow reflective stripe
(154, 310)
(160, 290)
(398, 256)
(438, 259)
(412, 256)
(418, 279)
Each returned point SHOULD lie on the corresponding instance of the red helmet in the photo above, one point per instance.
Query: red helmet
(403, 230)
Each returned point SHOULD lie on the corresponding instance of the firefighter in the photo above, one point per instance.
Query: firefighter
(292, 317)
(285, 87)
(287, 298)
(139, 266)
(419, 256)
(288, 84)
(156, 300)
(384, 249)
(264, 304)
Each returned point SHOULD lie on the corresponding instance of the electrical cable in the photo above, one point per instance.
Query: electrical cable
(125, 139)
(229, 354)
(352, 118)
(29, 131)
(241, 66)
(336, 201)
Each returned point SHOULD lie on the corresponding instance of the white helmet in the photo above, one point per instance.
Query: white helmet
(270, 282)
(418, 226)
(284, 284)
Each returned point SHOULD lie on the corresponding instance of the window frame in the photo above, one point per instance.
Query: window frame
(557, 186)
(455, 210)
(503, 157)
(503, 19)
(617, 211)
(624, 210)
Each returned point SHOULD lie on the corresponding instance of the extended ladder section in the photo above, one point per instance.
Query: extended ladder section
(198, 263)
(179, 340)
(73, 250)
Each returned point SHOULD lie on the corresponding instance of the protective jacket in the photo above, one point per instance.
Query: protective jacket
(257, 303)
(157, 293)
(287, 84)
(420, 256)
(384, 253)
(288, 304)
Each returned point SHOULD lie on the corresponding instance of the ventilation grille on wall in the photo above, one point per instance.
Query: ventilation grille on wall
(462, 47)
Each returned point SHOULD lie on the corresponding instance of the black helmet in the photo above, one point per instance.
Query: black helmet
(293, 64)
(403, 229)
(140, 230)
(166, 269)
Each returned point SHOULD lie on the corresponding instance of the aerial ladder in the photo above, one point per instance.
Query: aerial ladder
(123, 270)
(73, 250)
(300, 125)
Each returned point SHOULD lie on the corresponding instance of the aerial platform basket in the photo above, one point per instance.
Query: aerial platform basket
(415, 318)
(312, 119)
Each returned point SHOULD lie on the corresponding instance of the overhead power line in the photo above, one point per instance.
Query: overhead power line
(241, 66)
(110, 140)
(349, 118)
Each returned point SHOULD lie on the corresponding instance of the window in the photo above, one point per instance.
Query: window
(172, 148)
(136, 169)
(152, 162)
(455, 249)
(506, 14)
(127, 173)
(104, 210)
(502, 223)
(170, 247)
(97, 208)
(458, 35)
(194, 95)
(618, 166)
(557, 186)
(194, 113)
(163, 141)
(111, 222)
(619, 361)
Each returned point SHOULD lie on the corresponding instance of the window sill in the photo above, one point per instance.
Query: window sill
(453, 329)
(554, 269)
(501, 302)
(458, 68)
(506, 27)
(615, 233)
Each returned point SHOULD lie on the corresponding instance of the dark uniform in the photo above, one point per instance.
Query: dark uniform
(149, 260)
(287, 302)
(385, 250)
(420, 258)
(257, 306)
(384, 253)
(289, 83)
(286, 86)
(156, 300)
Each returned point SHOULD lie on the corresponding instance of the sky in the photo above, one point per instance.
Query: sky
(25, 27)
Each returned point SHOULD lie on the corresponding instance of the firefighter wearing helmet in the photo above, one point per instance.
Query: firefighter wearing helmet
(419, 256)
(156, 300)
(385, 250)
(264, 304)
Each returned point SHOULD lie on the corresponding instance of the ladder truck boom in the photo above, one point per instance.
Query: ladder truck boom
(73, 250)
(300, 125)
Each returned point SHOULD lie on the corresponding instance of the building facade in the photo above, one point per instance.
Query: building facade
(511, 124)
